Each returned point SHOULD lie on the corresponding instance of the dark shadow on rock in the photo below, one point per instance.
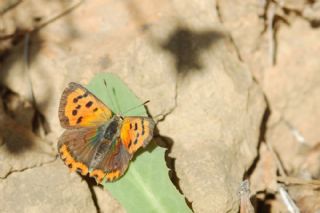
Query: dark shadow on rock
(25, 45)
(13, 135)
(16, 144)
(186, 46)
(315, 23)
(91, 184)
(264, 205)
(15, 138)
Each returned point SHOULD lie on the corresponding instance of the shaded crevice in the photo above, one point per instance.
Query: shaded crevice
(91, 183)
(314, 22)
(167, 143)
(262, 138)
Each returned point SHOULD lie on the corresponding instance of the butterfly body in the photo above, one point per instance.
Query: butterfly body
(110, 133)
(97, 141)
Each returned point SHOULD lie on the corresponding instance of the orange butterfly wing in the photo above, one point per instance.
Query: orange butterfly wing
(80, 108)
(136, 132)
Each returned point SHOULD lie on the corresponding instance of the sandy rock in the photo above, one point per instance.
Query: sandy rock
(49, 188)
(215, 129)
(215, 126)
(265, 174)
(178, 55)
(292, 88)
(106, 202)
(247, 30)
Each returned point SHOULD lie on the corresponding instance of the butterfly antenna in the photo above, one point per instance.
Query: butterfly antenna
(110, 96)
(135, 107)
(117, 102)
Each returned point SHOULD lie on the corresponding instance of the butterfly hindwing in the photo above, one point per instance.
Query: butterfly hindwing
(136, 132)
(77, 147)
(80, 108)
(114, 164)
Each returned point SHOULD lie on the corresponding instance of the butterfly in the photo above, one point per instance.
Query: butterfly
(97, 141)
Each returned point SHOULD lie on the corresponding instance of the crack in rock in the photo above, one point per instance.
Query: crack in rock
(162, 117)
(27, 168)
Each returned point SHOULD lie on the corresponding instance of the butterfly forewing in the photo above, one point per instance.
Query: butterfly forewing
(80, 108)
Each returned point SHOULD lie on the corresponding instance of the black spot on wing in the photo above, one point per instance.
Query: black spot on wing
(142, 124)
(74, 112)
(135, 141)
(95, 109)
(78, 107)
(75, 100)
(89, 104)
(79, 120)
(135, 126)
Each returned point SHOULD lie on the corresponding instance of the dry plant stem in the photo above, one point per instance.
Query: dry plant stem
(296, 134)
(9, 5)
(291, 206)
(270, 21)
(26, 66)
(70, 9)
(51, 20)
(298, 181)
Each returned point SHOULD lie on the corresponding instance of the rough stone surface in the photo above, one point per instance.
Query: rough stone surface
(248, 32)
(293, 88)
(221, 108)
(175, 53)
(106, 202)
(291, 85)
(48, 188)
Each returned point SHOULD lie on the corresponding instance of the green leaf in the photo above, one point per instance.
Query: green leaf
(146, 186)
